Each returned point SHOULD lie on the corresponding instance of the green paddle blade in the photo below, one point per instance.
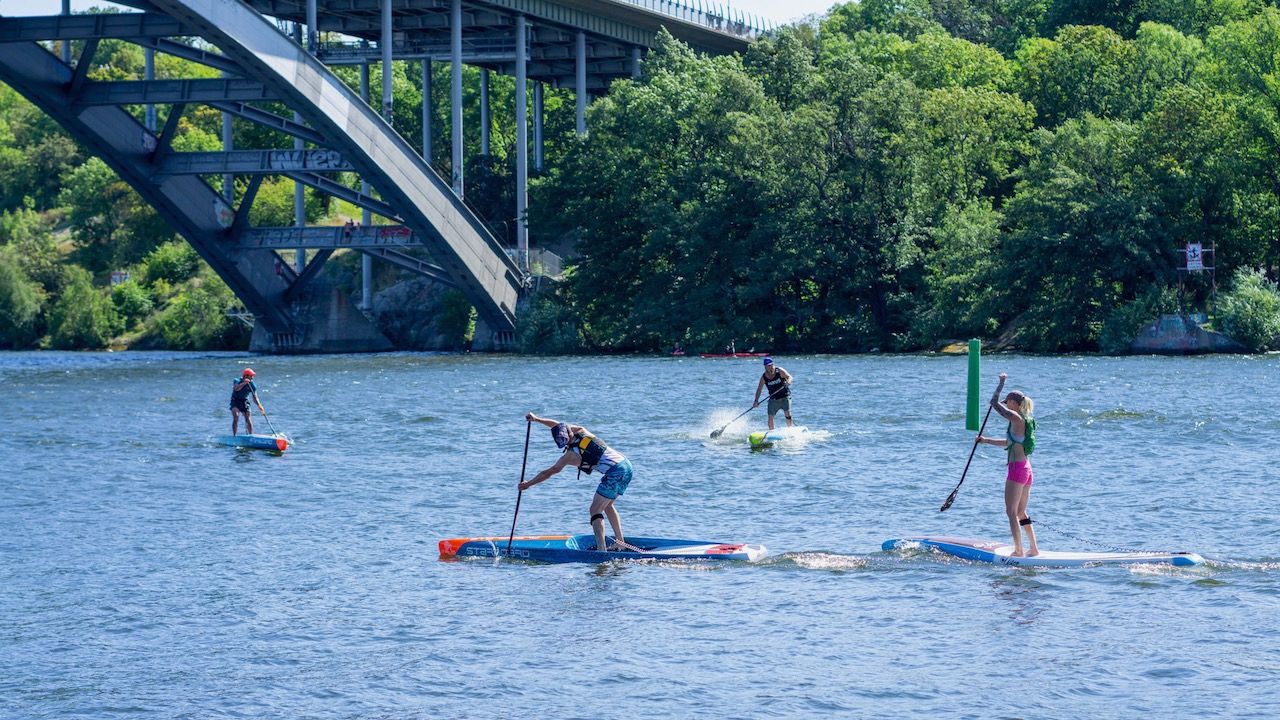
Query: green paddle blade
(974, 402)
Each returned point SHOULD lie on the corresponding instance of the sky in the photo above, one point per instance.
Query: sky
(780, 12)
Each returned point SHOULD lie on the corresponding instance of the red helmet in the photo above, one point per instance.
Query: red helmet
(248, 372)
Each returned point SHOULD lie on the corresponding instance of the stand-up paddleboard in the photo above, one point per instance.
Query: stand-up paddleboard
(765, 438)
(581, 548)
(992, 551)
(278, 443)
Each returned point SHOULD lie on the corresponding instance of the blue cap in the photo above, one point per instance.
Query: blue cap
(768, 361)
(560, 433)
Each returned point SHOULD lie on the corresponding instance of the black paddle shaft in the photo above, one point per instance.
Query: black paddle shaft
(717, 433)
(528, 428)
(952, 497)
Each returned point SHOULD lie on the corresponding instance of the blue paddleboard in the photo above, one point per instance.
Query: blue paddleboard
(581, 548)
(1001, 553)
(278, 443)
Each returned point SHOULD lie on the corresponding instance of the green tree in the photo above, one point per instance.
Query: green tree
(1250, 313)
(82, 318)
(1082, 235)
(1084, 69)
(20, 305)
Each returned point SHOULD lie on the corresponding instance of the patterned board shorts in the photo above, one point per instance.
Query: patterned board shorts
(615, 482)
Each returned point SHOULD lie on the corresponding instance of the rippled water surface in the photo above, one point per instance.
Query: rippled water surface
(146, 572)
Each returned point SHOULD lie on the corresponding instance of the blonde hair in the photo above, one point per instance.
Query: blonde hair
(1025, 405)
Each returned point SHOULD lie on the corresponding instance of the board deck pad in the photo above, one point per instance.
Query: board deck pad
(1001, 553)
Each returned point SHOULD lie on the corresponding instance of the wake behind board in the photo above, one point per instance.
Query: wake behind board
(765, 438)
(278, 443)
(992, 551)
(581, 548)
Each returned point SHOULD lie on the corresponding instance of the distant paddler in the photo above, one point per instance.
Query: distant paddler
(778, 382)
(1019, 441)
(583, 449)
(241, 390)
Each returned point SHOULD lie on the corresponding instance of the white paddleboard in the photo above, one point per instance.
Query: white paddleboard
(992, 551)
(762, 438)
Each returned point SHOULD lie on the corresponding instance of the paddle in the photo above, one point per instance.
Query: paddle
(264, 417)
(952, 497)
(717, 433)
(510, 539)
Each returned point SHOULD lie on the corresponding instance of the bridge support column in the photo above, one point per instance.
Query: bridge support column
(299, 198)
(366, 217)
(299, 205)
(313, 27)
(484, 111)
(635, 62)
(537, 126)
(455, 94)
(66, 44)
(149, 73)
(426, 111)
(228, 144)
(522, 143)
(384, 44)
(581, 82)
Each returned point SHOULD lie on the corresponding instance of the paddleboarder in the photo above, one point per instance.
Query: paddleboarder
(778, 381)
(1019, 441)
(583, 449)
(240, 391)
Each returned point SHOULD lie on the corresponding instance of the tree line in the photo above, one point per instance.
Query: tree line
(901, 174)
(893, 175)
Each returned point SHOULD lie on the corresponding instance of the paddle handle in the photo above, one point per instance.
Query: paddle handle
(528, 428)
(952, 497)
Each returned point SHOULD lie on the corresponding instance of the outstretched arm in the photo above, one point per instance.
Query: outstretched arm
(759, 387)
(559, 465)
(543, 421)
(1000, 407)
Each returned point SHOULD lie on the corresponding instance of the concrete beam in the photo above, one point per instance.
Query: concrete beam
(252, 162)
(141, 92)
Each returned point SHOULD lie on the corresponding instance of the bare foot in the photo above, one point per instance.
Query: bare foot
(1017, 553)
(1034, 552)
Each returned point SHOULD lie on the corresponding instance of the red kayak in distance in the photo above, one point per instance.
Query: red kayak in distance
(734, 355)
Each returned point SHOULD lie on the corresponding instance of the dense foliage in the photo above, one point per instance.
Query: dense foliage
(897, 175)
(908, 173)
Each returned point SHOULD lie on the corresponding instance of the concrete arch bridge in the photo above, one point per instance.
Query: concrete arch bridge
(269, 53)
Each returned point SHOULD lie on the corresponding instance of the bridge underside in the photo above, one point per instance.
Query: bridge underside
(423, 225)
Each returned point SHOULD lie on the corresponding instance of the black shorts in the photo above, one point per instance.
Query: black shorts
(242, 407)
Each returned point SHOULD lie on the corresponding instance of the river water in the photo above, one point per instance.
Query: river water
(147, 572)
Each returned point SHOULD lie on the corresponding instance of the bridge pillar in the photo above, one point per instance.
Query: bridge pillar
(522, 143)
(149, 73)
(455, 93)
(313, 27)
(366, 217)
(426, 111)
(537, 126)
(484, 112)
(635, 62)
(66, 44)
(384, 44)
(580, 76)
(299, 198)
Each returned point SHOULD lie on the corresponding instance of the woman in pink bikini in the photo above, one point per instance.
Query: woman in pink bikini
(1020, 442)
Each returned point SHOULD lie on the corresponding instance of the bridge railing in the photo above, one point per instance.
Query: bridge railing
(720, 16)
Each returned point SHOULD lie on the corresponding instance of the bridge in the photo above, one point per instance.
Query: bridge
(273, 54)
